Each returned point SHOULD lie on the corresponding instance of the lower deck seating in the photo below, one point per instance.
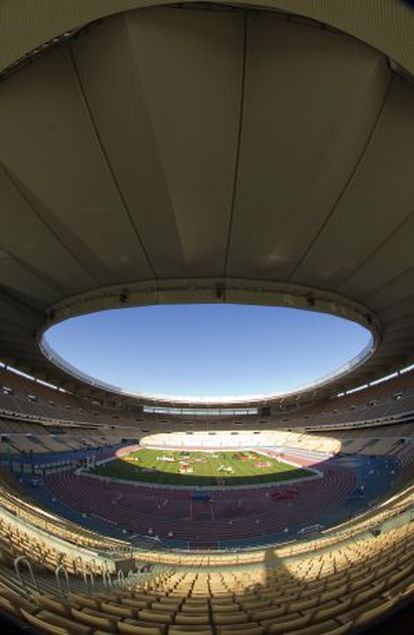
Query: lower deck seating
(336, 591)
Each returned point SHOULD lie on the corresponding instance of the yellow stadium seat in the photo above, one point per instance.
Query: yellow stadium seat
(291, 625)
(251, 630)
(230, 618)
(332, 610)
(194, 608)
(152, 616)
(117, 610)
(83, 600)
(176, 630)
(366, 617)
(135, 604)
(191, 618)
(8, 606)
(302, 605)
(94, 621)
(42, 625)
(49, 603)
(134, 629)
(325, 628)
(334, 593)
(230, 607)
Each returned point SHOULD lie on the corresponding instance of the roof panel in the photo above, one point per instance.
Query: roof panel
(50, 145)
(311, 99)
(376, 205)
(121, 149)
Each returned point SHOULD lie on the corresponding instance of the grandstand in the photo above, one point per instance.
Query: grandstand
(336, 580)
(120, 578)
(256, 153)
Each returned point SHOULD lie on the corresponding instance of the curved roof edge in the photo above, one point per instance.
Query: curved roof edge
(213, 291)
(386, 25)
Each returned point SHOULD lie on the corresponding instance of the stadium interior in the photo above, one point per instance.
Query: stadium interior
(192, 152)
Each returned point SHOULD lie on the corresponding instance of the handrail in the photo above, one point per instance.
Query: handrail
(59, 569)
(23, 560)
(106, 578)
(89, 581)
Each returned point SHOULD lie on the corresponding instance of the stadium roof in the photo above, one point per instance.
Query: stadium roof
(207, 153)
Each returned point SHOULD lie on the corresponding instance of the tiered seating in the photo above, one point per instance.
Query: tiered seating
(13, 499)
(336, 591)
(392, 397)
(17, 542)
(8, 425)
(15, 443)
(335, 584)
(245, 438)
(19, 394)
(29, 399)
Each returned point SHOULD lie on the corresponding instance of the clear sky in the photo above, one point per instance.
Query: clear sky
(207, 350)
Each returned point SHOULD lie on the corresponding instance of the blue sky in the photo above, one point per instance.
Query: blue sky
(207, 350)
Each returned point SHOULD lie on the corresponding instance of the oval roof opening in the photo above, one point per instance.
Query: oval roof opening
(206, 352)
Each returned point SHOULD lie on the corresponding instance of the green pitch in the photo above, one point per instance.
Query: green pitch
(200, 468)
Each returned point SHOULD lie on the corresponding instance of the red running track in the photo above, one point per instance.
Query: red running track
(233, 513)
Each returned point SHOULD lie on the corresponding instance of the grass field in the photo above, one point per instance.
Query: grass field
(200, 468)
